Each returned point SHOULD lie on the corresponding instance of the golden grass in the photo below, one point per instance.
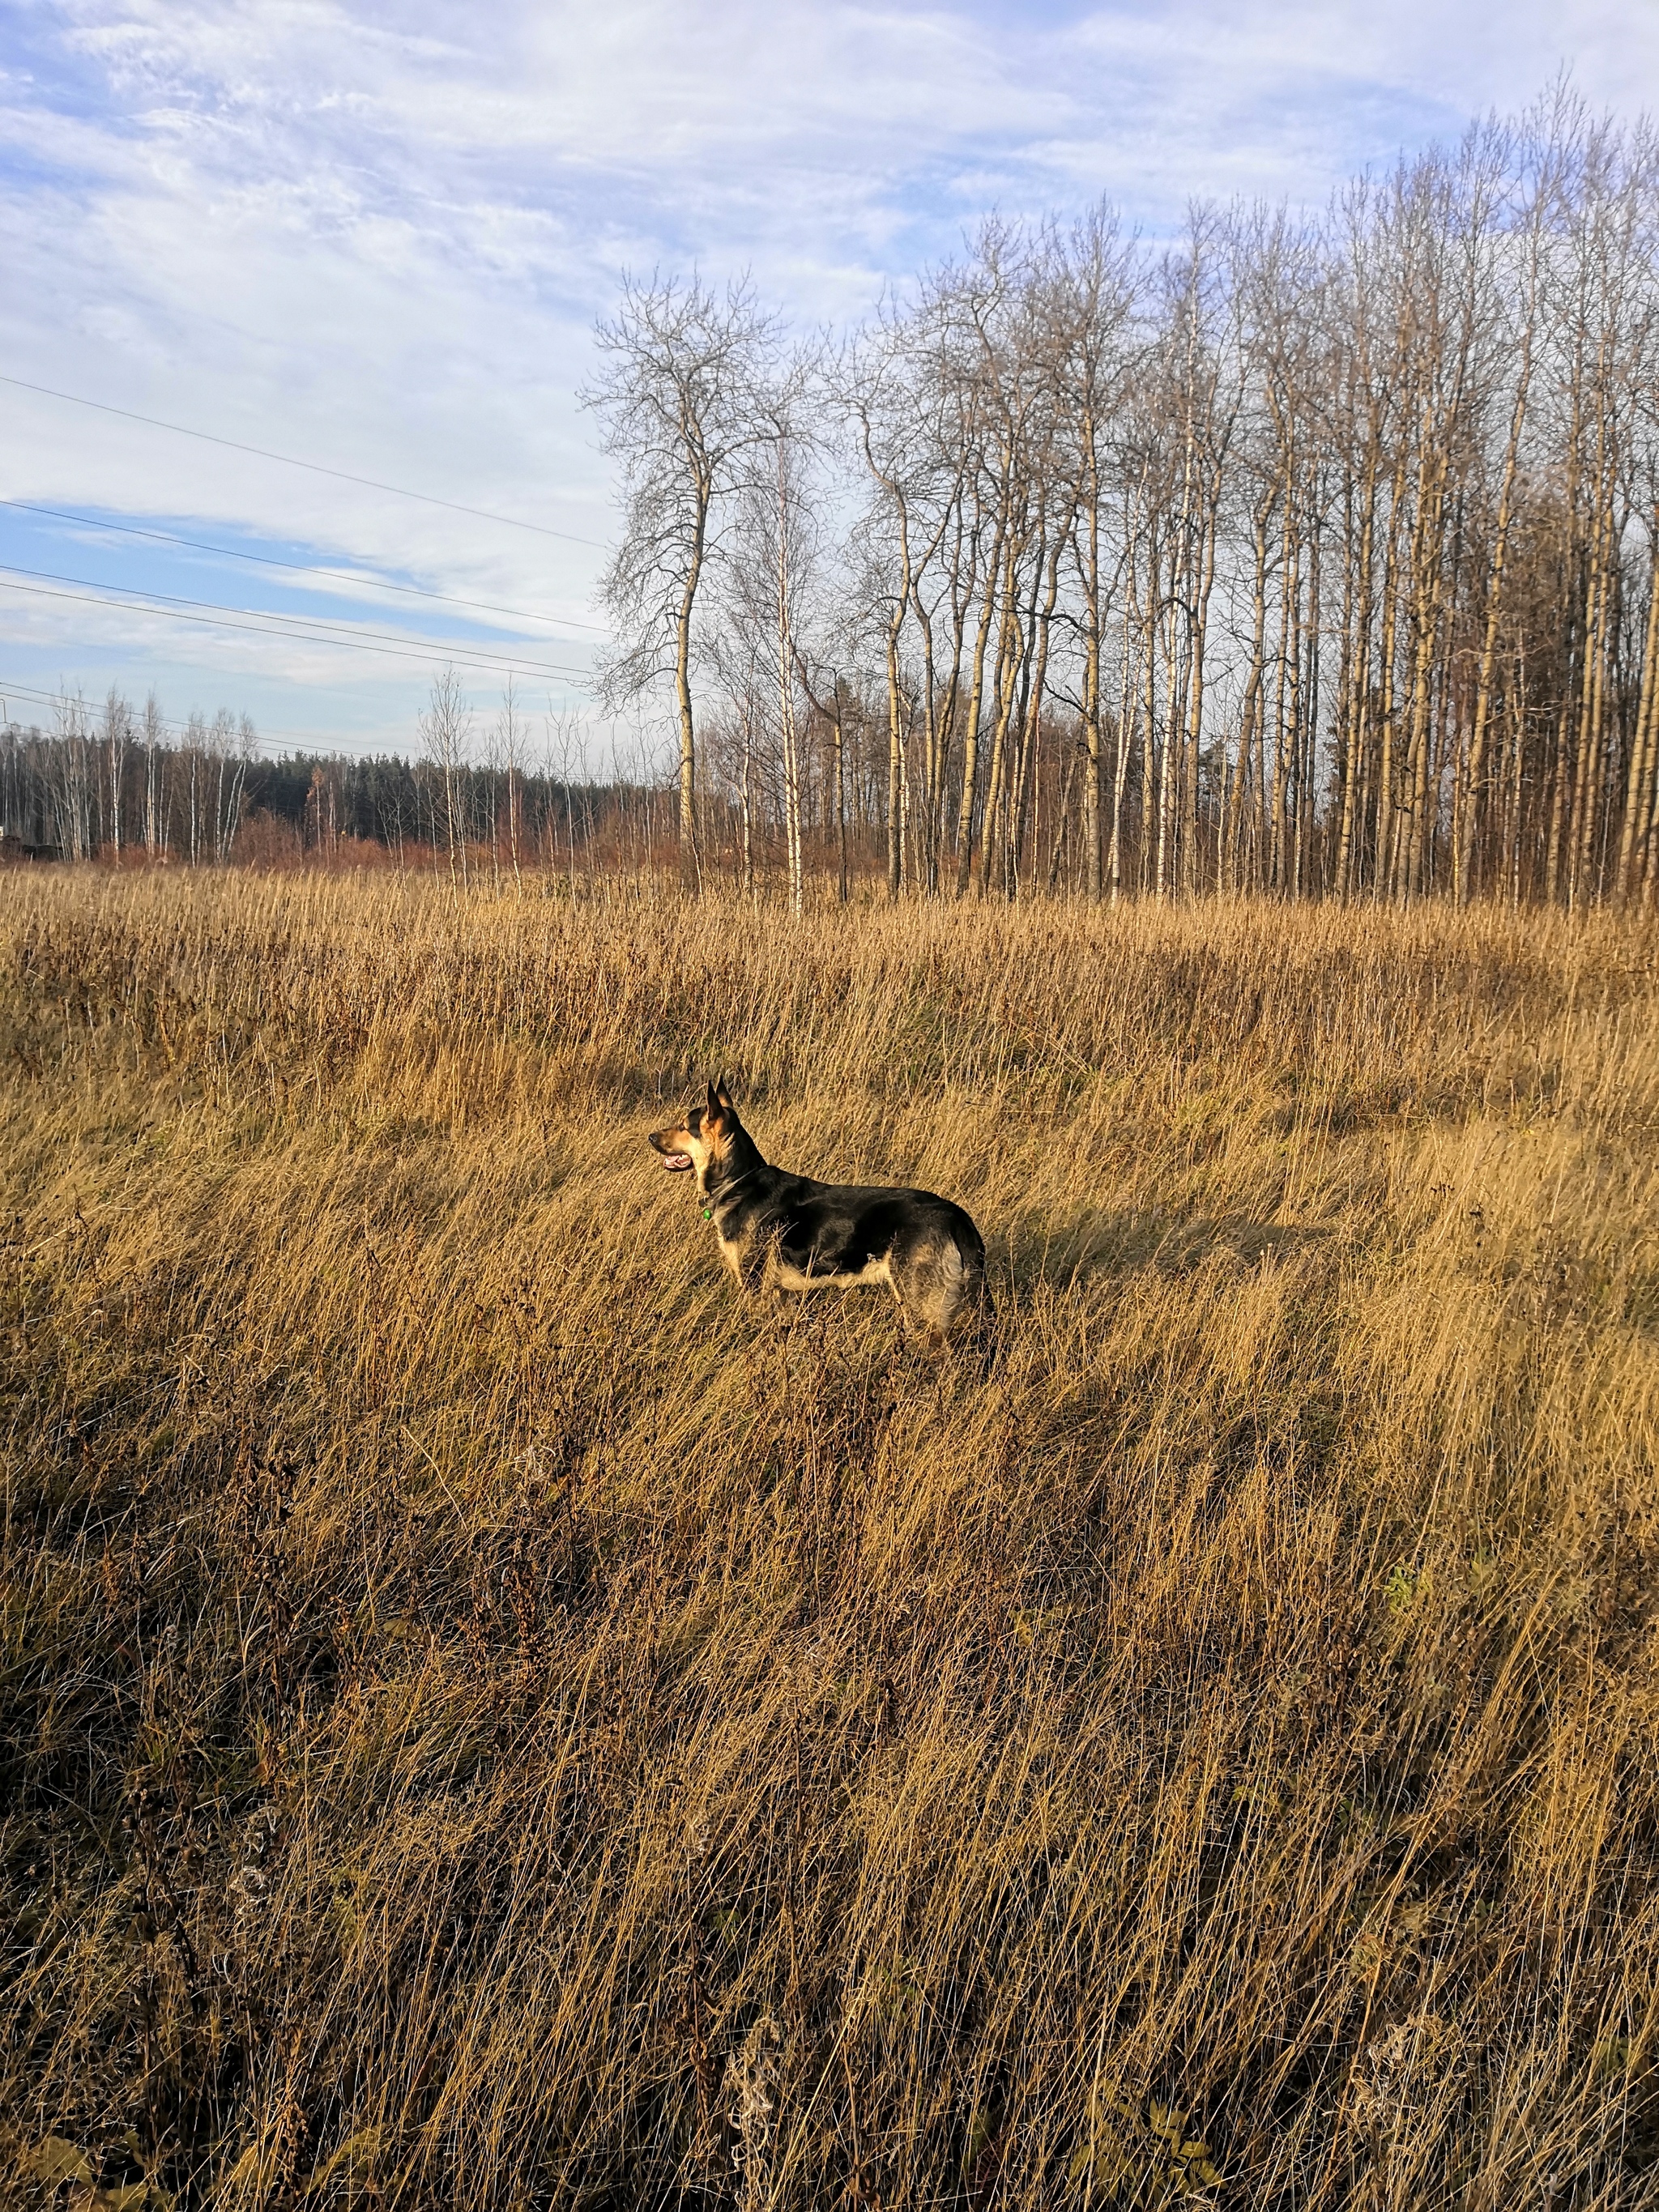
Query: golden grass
(491, 1721)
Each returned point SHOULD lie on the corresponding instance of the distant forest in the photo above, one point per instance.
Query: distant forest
(121, 784)
(124, 784)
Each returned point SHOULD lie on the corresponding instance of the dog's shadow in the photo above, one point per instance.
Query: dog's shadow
(1065, 1250)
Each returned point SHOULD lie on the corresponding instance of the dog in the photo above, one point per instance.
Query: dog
(788, 1232)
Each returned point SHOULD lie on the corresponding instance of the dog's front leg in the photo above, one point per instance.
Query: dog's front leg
(762, 1284)
(751, 1263)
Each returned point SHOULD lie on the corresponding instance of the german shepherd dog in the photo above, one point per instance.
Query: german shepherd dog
(785, 1232)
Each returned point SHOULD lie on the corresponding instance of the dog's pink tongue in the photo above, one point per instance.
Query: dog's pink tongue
(677, 1162)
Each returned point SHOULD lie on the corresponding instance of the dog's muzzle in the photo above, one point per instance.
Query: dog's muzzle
(676, 1163)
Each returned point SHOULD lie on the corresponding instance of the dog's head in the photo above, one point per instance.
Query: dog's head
(702, 1141)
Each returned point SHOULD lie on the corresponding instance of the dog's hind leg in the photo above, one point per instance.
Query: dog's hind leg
(916, 1297)
(934, 1287)
(972, 1315)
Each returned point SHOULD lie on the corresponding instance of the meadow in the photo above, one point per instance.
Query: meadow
(490, 1720)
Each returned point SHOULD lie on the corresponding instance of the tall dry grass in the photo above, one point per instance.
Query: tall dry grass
(489, 1721)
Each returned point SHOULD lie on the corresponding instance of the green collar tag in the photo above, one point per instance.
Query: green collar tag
(708, 1213)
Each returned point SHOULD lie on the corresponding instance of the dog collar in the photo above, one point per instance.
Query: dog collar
(725, 1191)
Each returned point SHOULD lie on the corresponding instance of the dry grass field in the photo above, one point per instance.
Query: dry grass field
(491, 1721)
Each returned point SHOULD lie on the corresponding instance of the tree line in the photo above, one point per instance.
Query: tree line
(119, 781)
(123, 783)
(1311, 556)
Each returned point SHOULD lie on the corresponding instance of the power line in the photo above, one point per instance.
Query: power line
(289, 460)
(297, 634)
(300, 568)
(289, 627)
(344, 633)
(350, 632)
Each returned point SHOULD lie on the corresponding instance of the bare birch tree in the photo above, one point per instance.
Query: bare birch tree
(675, 396)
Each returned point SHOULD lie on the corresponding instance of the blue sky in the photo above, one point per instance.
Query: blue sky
(376, 239)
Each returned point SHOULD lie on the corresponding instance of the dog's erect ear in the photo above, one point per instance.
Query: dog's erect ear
(722, 1095)
(713, 1111)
